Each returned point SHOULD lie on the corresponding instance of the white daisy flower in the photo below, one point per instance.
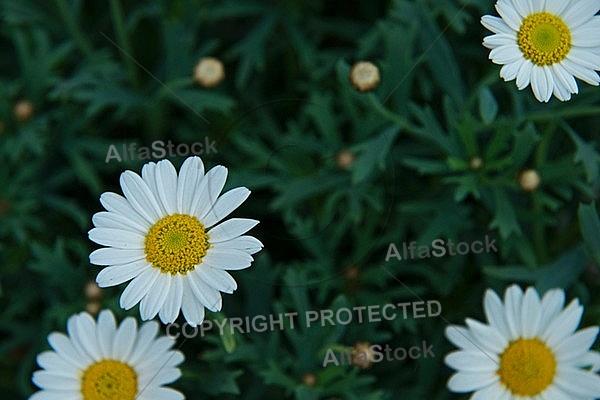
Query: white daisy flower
(528, 350)
(546, 43)
(165, 237)
(100, 361)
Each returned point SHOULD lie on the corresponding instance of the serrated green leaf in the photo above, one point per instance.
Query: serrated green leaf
(504, 216)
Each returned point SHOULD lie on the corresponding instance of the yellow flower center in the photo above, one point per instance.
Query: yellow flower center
(544, 39)
(109, 380)
(527, 367)
(176, 244)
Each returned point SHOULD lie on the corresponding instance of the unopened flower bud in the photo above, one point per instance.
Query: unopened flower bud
(364, 76)
(529, 180)
(209, 72)
(344, 159)
(23, 110)
(362, 356)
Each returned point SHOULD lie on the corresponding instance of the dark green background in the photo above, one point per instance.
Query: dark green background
(283, 112)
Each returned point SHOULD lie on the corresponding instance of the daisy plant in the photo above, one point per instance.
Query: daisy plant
(528, 350)
(165, 237)
(546, 43)
(99, 360)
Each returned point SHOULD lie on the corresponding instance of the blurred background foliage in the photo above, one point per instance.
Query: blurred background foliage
(436, 151)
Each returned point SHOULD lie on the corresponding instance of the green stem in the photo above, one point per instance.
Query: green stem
(539, 239)
(390, 116)
(81, 41)
(116, 13)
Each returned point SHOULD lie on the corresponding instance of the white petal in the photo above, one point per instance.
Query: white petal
(159, 351)
(531, 313)
(191, 309)
(161, 393)
(112, 256)
(143, 343)
(138, 288)
(509, 14)
(48, 380)
(506, 54)
(227, 259)
(502, 39)
(461, 337)
(580, 13)
(140, 197)
(170, 309)
(581, 72)
(587, 35)
(584, 58)
(564, 324)
(124, 341)
(231, 229)
(209, 190)
(494, 312)
(555, 393)
(190, 175)
(217, 278)
(522, 7)
(106, 331)
(249, 244)
(106, 219)
(553, 302)
(578, 383)
(149, 176)
(50, 360)
(209, 297)
(540, 85)
(65, 349)
(224, 206)
(118, 204)
(55, 395)
(513, 298)
(493, 392)
(166, 184)
(117, 238)
(490, 341)
(113, 276)
(556, 7)
(497, 25)
(156, 296)
(577, 345)
(463, 382)
(560, 91)
(509, 71)
(524, 74)
(82, 332)
(591, 359)
(471, 361)
(163, 377)
(568, 82)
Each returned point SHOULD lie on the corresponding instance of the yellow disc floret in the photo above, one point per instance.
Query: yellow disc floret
(527, 367)
(544, 39)
(176, 244)
(109, 380)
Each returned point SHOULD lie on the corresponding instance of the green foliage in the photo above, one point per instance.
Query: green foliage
(101, 74)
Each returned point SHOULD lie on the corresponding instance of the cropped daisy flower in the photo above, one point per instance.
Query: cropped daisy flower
(165, 236)
(546, 43)
(100, 361)
(528, 350)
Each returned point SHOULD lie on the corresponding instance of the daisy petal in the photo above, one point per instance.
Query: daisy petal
(224, 206)
(231, 229)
